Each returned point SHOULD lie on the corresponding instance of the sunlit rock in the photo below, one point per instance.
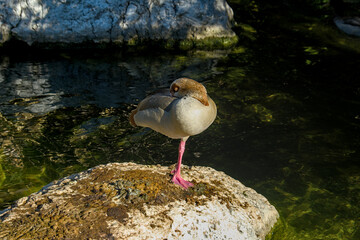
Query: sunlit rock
(70, 21)
(130, 201)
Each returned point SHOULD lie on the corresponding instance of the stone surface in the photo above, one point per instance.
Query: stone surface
(131, 201)
(70, 21)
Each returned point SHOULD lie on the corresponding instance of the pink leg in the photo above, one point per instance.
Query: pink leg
(177, 179)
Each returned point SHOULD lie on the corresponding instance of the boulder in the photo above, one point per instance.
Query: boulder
(77, 21)
(131, 201)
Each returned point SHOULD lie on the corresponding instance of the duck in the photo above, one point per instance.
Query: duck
(350, 25)
(182, 111)
(346, 18)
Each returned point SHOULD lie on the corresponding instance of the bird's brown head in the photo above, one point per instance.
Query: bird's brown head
(187, 87)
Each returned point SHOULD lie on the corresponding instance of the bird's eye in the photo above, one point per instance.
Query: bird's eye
(176, 89)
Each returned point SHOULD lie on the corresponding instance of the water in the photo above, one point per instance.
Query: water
(288, 120)
(63, 112)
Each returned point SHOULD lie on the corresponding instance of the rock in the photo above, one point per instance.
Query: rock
(69, 21)
(131, 201)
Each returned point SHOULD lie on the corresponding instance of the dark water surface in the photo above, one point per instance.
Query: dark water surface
(288, 120)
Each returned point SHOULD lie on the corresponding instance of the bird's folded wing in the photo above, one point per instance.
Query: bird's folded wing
(157, 100)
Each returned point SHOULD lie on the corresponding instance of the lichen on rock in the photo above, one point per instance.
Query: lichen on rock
(131, 201)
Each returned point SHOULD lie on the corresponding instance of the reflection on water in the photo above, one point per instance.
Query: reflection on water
(44, 85)
(288, 124)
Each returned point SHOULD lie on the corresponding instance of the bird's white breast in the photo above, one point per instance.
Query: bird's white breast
(191, 116)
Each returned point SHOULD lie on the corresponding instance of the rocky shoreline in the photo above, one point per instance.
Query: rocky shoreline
(55, 24)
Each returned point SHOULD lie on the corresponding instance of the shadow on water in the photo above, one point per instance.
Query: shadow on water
(288, 120)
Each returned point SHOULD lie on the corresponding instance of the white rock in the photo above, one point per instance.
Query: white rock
(131, 201)
(70, 21)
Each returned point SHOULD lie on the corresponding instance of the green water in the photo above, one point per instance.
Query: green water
(288, 122)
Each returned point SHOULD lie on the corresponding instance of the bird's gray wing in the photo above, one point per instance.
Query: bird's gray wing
(161, 99)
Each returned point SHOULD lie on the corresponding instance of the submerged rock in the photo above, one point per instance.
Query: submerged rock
(131, 201)
(70, 21)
